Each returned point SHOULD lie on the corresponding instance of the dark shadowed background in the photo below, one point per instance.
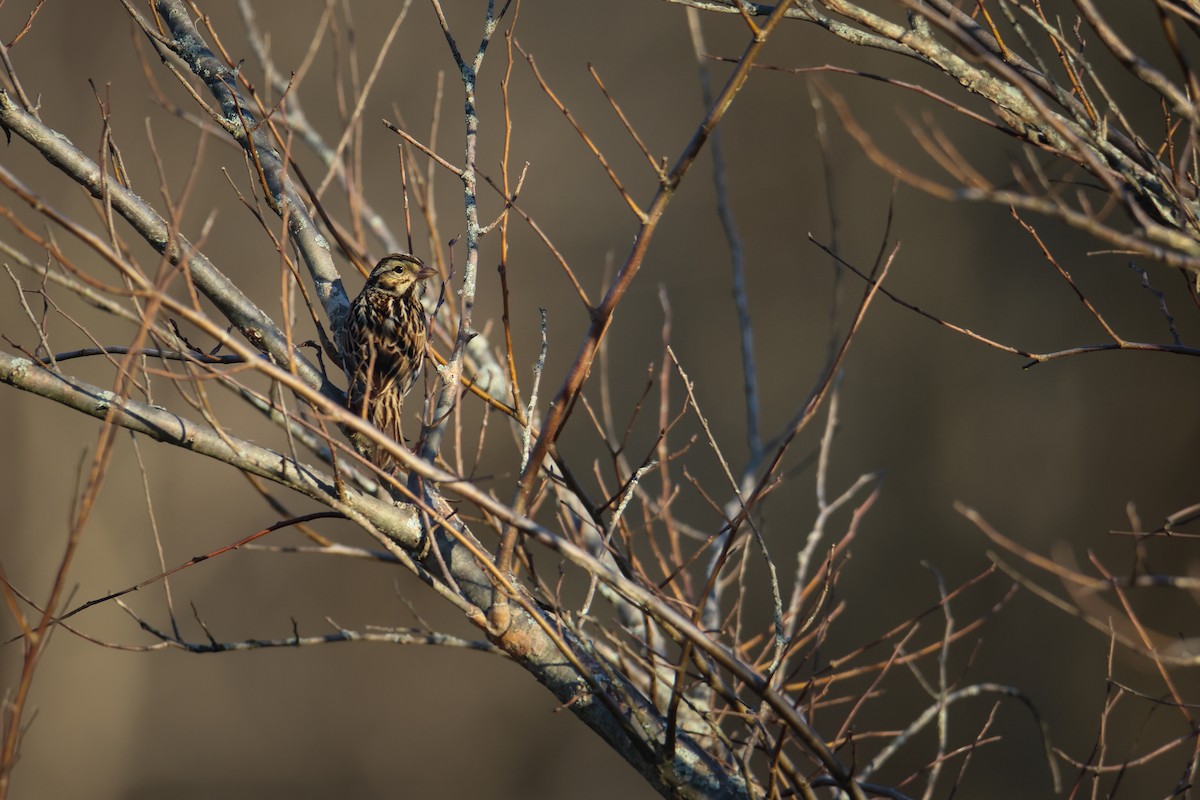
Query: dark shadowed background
(1048, 455)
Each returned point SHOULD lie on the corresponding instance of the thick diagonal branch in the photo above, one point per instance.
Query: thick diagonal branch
(600, 697)
(253, 323)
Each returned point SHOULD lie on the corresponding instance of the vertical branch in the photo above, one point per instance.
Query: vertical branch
(736, 253)
(564, 400)
(452, 373)
(502, 269)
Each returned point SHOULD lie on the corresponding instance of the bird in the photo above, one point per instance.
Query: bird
(383, 348)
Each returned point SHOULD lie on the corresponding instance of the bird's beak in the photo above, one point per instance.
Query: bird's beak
(425, 272)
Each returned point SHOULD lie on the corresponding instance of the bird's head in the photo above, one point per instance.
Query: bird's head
(398, 273)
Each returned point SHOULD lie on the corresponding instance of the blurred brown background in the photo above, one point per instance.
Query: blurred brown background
(1050, 454)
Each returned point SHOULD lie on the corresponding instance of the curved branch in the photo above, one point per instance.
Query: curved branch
(252, 135)
(399, 523)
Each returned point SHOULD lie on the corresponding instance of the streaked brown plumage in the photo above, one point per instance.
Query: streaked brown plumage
(383, 346)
